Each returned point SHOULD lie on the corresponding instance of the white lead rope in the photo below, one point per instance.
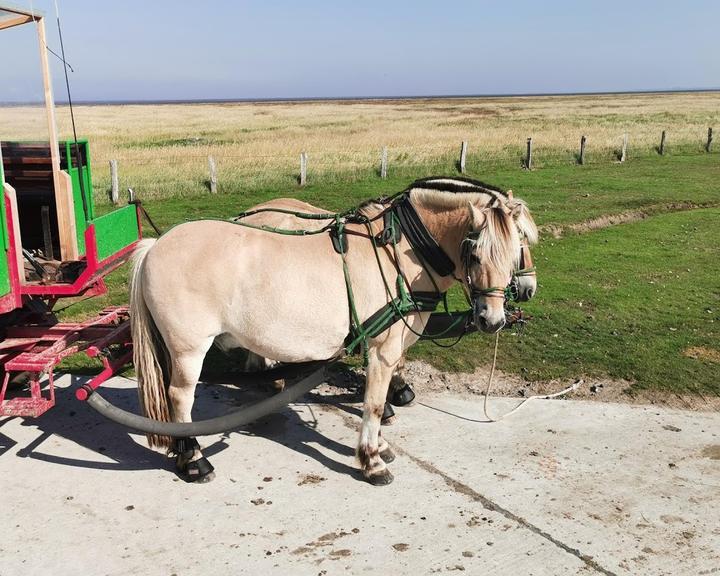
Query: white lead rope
(523, 402)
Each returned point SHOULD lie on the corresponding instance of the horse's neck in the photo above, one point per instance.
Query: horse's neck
(448, 227)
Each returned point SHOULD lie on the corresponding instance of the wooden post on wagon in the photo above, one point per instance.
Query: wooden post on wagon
(303, 168)
(528, 155)
(114, 182)
(661, 149)
(463, 156)
(581, 157)
(213, 175)
(383, 162)
(709, 140)
(623, 152)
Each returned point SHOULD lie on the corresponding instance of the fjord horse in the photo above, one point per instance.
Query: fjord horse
(286, 298)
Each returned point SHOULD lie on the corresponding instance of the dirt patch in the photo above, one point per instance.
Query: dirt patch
(607, 220)
(311, 479)
(425, 378)
(712, 452)
(703, 353)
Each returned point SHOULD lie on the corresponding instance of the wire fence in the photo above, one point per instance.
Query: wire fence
(188, 167)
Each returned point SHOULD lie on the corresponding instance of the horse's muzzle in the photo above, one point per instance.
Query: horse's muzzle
(481, 320)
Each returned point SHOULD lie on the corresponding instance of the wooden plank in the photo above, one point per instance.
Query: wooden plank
(581, 158)
(623, 152)
(47, 232)
(17, 21)
(708, 145)
(463, 156)
(383, 162)
(68, 235)
(15, 223)
(63, 192)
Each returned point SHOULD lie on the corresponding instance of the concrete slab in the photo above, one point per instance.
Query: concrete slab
(559, 488)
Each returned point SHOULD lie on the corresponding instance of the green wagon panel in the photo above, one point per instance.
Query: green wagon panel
(80, 221)
(115, 230)
(4, 262)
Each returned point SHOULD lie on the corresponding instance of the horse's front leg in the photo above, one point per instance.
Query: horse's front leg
(190, 462)
(373, 451)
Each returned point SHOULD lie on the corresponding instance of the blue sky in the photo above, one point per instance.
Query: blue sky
(133, 50)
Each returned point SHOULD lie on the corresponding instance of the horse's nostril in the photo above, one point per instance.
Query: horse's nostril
(530, 293)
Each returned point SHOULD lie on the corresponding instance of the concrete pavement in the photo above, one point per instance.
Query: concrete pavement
(561, 487)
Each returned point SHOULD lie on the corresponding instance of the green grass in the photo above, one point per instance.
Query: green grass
(623, 302)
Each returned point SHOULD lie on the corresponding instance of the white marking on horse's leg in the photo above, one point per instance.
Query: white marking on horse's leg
(378, 379)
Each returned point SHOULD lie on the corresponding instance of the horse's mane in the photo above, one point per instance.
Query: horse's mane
(452, 192)
(498, 246)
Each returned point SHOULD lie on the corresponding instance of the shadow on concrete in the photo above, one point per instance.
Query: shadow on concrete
(77, 422)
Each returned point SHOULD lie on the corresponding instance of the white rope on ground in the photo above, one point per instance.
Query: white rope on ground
(523, 402)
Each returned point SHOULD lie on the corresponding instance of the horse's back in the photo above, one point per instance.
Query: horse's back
(273, 294)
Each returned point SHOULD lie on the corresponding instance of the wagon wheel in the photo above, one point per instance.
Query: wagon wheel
(210, 426)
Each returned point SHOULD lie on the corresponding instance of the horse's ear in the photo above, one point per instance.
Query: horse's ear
(477, 216)
(509, 194)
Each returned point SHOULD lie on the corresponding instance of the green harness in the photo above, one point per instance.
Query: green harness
(398, 307)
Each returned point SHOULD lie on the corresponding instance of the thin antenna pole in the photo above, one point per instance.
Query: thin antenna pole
(72, 119)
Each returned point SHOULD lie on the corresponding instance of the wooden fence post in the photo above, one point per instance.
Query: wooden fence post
(623, 153)
(709, 140)
(581, 158)
(303, 168)
(383, 162)
(213, 175)
(662, 144)
(114, 182)
(528, 155)
(463, 156)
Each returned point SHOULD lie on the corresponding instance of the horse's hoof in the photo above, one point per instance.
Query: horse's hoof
(382, 478)
(198, 471)
(388, 416)
(387, 455)
(403, 396)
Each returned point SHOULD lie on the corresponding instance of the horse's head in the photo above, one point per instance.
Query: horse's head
(489, 255)
(523, 284)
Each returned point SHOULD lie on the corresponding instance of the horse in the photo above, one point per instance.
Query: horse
(281, 213)
(301, 298)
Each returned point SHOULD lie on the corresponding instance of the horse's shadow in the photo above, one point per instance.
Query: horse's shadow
(118, 449)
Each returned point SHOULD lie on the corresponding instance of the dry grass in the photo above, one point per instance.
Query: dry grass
(163, 149)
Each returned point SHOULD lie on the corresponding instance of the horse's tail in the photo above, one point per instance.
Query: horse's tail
(150, 354)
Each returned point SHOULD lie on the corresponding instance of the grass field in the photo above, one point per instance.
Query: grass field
(162, 150)
(638, 301)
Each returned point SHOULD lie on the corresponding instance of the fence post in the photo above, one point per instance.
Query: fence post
(528, 155)
(581, 158)
(709, 140)
(114, 182)
(303, 168)
(213, 175)
(623, 153)
(383, 162)
(463, 156)
(662, 144)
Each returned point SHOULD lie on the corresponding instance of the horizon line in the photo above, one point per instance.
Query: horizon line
(156, 101)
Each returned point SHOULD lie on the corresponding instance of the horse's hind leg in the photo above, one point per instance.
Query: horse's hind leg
(191, 463)
(373, 451)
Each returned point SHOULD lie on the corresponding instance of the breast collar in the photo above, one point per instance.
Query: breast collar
(420, 239)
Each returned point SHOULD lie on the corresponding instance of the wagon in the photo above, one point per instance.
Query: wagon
(54, 246)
